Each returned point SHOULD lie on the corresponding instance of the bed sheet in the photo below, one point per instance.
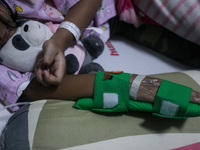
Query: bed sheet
(122, 54)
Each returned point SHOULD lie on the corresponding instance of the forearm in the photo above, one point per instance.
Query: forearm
(72, 87)
(81, 14)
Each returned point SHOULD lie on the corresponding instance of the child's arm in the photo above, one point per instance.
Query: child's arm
(74, 87)
(53, 60)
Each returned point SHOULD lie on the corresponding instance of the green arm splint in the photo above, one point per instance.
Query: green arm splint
(112, 95)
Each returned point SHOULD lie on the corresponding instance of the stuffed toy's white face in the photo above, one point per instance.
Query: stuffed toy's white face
(22, 50)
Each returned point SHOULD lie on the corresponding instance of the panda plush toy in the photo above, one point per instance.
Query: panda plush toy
(23, 49)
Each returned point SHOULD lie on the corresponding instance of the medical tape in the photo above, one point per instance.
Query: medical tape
(135, 86)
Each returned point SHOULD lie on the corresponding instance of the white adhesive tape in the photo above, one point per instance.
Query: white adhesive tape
(135, 86)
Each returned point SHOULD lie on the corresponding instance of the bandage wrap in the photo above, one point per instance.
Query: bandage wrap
(109, 99)
(71, 27)
(112, 95)
(172, 99)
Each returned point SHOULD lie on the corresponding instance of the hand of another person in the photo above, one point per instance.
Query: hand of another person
(50, 69)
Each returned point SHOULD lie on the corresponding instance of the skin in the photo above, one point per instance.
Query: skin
(74, 87)
(50, 69)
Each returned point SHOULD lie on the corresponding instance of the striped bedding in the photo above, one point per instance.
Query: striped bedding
(179, 16)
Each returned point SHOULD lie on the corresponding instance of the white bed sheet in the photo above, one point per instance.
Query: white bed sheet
(123, 55)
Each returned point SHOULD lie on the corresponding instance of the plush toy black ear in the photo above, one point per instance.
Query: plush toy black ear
(91, 68)
(72, 64)
(19, 43)
(20, 22)
(93, 45)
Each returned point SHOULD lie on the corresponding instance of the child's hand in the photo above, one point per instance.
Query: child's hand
(51, 68)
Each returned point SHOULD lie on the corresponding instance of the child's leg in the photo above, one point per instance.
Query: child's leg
(74, 87)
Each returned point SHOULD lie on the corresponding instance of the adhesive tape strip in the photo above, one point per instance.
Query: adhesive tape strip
(135, 86)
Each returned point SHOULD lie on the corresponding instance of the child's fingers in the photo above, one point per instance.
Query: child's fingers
(39, 72)
(49, 52)
(195, 97)
(49, 78)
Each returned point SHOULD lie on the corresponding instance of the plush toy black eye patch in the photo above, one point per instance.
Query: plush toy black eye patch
(19, 43)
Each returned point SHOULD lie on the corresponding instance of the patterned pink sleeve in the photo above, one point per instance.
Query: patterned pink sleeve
(105, 12)
(12, 84)
(39, 10)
